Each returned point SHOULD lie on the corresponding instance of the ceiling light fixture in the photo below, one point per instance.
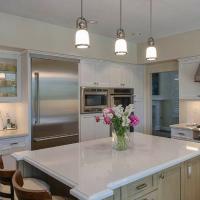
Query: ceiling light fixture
(120, 43)
(151, 51)
(82, 38)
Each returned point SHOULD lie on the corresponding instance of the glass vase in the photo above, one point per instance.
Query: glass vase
(120, 141)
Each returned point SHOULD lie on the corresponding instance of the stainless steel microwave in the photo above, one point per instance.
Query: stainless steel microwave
(94, 100)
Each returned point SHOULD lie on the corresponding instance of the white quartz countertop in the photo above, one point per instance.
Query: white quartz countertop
(93, 169)
(187, 126)
(12, 133)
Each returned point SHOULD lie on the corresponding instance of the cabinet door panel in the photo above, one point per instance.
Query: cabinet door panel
(170, 184)
(102, 74)
(91, 130)
(192, 180)
(127, 76)
(87, 73)
(151, 196)
(87, 128)
(115, 76)
(102, 130)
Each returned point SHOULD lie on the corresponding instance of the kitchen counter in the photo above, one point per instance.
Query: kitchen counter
(93, 169)
(187, 126)
(11, 133)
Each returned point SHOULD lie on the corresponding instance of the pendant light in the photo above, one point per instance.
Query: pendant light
(151, 52)
(82, 38)
(120, 43)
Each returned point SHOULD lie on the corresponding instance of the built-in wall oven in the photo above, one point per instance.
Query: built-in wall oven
(121, 96)
(94, 100)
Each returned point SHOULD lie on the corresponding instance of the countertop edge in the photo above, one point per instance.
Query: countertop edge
(132, 178)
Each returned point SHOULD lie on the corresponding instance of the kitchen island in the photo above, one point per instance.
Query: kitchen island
(152, 168)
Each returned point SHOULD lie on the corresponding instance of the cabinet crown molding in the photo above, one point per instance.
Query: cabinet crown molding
(192, 59)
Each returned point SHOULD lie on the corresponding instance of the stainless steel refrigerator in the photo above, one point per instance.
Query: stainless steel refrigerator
(55, 104)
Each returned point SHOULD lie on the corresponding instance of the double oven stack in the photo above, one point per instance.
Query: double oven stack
(94, 100)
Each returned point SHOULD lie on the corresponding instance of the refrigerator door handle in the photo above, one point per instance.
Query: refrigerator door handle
(37, 99)
(40, 139)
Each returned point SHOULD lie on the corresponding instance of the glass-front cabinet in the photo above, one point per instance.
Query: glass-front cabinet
(9, 77)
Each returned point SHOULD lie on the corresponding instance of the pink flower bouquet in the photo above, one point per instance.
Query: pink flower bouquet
(121, 120)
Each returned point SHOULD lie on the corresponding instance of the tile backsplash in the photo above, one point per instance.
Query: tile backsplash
(189, 112)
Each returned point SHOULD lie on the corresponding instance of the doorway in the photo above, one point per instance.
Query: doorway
(165, 102)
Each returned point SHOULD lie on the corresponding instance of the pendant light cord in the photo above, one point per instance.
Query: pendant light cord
(120, 14)
(150, 18)
(81, 8)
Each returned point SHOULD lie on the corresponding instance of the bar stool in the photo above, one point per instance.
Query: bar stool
(6, 187)
(30, 194)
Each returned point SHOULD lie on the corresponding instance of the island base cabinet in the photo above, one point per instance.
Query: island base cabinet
(140, 189)
(151, 196)
(169, 184)
(191, 180)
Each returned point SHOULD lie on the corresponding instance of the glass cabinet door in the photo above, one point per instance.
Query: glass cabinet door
(8, 77)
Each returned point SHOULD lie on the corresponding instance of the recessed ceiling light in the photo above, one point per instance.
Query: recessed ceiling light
(92, 21)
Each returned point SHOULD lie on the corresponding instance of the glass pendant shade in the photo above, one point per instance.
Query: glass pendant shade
(151, 53)
(121, 47)
(82, 39)
(120, 43)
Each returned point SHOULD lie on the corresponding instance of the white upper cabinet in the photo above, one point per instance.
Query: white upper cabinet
(87, 73)
(10, 77)
(188, 88)
(115, 75)
(127, 76)
(97, 73)
(94, 74)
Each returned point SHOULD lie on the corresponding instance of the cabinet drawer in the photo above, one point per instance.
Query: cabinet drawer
(9, 146)
(151, 196)
(181, 133)
(139, 188)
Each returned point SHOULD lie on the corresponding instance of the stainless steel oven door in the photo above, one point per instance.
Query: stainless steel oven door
(94, 101)
(124, 100)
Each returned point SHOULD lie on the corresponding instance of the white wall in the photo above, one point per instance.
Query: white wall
(19, 32)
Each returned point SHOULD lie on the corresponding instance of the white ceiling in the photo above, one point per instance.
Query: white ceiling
(169, 16)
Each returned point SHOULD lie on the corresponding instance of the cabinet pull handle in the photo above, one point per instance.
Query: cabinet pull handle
(162, 176)
(147, 199)
(198, 95)
(189, 171)
(181, 134)
(14, 143)
(142, 186)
